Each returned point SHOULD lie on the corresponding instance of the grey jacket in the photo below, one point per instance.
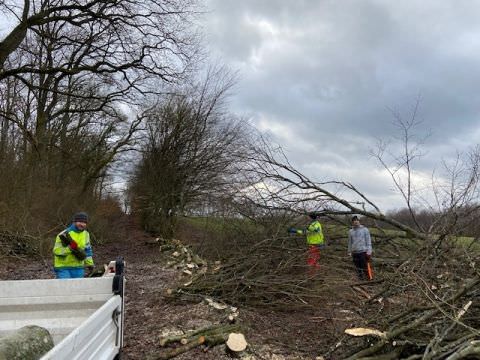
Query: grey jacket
(359, 240)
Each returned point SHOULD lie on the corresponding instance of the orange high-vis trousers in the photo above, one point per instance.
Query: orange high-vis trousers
(313, 256)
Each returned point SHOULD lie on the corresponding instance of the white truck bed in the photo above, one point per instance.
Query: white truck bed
(84, 316)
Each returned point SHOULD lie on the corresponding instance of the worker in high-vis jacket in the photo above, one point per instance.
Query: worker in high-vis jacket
(73, 251)
(315, 241)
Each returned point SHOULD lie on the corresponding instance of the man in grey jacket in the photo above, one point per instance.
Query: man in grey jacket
(360, 248)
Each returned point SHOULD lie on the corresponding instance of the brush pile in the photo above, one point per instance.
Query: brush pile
(423, 301)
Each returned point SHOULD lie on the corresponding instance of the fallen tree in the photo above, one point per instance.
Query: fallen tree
(425, 302)
(422, 298)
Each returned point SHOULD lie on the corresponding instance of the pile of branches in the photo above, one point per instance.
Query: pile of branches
(436, 313)
(14, 244)
(271, 273)
(424, 301)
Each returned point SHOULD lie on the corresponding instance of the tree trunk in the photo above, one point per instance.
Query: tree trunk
(182, 349)
(27, 343)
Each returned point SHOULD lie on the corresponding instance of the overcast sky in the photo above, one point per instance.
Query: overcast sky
(323, 76)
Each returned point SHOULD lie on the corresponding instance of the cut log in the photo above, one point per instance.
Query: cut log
(209, 336)
(207, 332)
(236, 343)
(180, 350)
(27, 343)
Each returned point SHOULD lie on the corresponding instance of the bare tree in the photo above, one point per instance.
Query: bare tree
(274, 183)
(115, 36)
(401, 171)
(98, 52)
(189, 153)
(68, 71)
(452, 194)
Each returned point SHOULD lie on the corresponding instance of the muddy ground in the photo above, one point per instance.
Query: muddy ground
(309, 334)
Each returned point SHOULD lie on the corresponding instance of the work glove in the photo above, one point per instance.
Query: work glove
(292, 230)
(73, 245)
(79, 253)
(368, 256)
(65, 239)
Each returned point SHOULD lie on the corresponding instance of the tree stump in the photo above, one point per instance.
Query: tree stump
(236, 343)
(27, 343)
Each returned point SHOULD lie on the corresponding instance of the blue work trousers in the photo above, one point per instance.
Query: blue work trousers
(70, 273)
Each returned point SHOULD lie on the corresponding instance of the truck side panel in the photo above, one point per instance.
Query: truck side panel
(98, 338)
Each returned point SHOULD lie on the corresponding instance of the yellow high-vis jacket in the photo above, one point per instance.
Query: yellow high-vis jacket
(63, 256)
(314, 233)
